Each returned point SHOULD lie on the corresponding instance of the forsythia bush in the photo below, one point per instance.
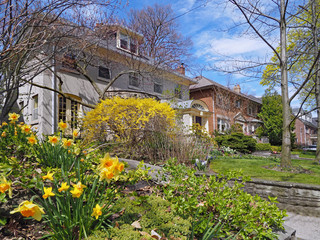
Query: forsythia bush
(127, 119)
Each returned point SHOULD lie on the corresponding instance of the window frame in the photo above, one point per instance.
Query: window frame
(134, 77)
(35, 107)
(100, 68)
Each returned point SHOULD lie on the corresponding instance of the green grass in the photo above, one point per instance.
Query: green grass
(254, 167)
(304, 154)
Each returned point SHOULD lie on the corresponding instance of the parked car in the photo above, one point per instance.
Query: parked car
(310, 148)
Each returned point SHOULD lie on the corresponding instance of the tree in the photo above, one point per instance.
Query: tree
(36, 35)
(271, 115)
(303, 60)
(163, 42)
(263, 19)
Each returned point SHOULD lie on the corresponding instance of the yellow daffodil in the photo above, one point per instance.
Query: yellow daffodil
(48, 176)
(75, 133)
(105, 174)
(32, 140)
(76, 192)
(13, 117)
(6, 186)
(26, 128)
(4, 134)
(47, 192)
(67, 142)
(29, 209)
(62, 125)
(108, 162)
(64, 187)
(4, 124)
(54, 140)
(77, 189)
(79, 185)
(96, 211)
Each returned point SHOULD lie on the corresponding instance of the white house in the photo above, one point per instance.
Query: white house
(117, 53)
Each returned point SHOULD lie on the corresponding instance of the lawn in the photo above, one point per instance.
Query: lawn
(256, 168)
(304, 154)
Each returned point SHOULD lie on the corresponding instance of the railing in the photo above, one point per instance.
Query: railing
(313, 136)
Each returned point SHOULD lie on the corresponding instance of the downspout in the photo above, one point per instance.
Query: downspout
(54, 94)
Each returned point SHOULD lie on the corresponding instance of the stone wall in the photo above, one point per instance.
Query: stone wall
(294, 197)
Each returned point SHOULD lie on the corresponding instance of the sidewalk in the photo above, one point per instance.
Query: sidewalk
(307, 228)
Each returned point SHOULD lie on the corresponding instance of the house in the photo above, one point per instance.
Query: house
(305, 128)
(227, 106)
(116, 55)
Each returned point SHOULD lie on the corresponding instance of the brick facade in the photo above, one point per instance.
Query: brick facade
(228, 106)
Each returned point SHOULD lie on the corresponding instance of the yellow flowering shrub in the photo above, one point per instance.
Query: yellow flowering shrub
(127, 119)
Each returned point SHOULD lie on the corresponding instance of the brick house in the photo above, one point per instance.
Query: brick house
(305, 128)
(227, 106)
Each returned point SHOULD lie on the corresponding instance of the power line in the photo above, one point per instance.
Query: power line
(192, 9)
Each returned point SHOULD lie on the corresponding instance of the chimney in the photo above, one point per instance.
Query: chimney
(237, 88)
(181, 69)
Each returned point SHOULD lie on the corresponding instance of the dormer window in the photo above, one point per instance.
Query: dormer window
(127, 43)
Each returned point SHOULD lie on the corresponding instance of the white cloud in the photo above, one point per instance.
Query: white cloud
(229, 46)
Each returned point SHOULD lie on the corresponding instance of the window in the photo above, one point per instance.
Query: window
(69, 61)
(223, 125)
(127, 43)
(250, 110)
(134, 80)
(158, 88)
(35, 107)
(104, 72)
(69, 111)
(178, 91)
(238, 103)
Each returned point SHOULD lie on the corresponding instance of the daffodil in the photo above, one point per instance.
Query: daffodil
(62, 125)
(48, 176)
(13, 117)
(6, 186)
(106, 174)
(53, 140)
(47, 192)
(4, 124)
(3, 134)
(26, 128)
(67, 142)
(76, 192)
(29, 209)
(79, 185)
(64, 187)
(108, 162)
(75, 133)
(96, 211)
(32, 140)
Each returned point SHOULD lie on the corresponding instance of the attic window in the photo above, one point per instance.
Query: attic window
(127, 43)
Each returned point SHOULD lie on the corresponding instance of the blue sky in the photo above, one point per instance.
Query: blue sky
(207, 27)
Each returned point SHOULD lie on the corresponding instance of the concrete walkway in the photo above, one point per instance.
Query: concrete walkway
(307, 228)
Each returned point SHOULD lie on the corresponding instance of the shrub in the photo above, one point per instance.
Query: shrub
(214, 197)
(127, 119)
(237, 141)
(276, 149)
(263, 147)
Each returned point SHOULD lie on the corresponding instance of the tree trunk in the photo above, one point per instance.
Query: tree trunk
(286, 141)
(317, 75)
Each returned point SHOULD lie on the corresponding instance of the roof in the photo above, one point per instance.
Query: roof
(205, 83)
(143, 59)
(307, 123)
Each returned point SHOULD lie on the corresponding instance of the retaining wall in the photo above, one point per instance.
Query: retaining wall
(302, 199)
